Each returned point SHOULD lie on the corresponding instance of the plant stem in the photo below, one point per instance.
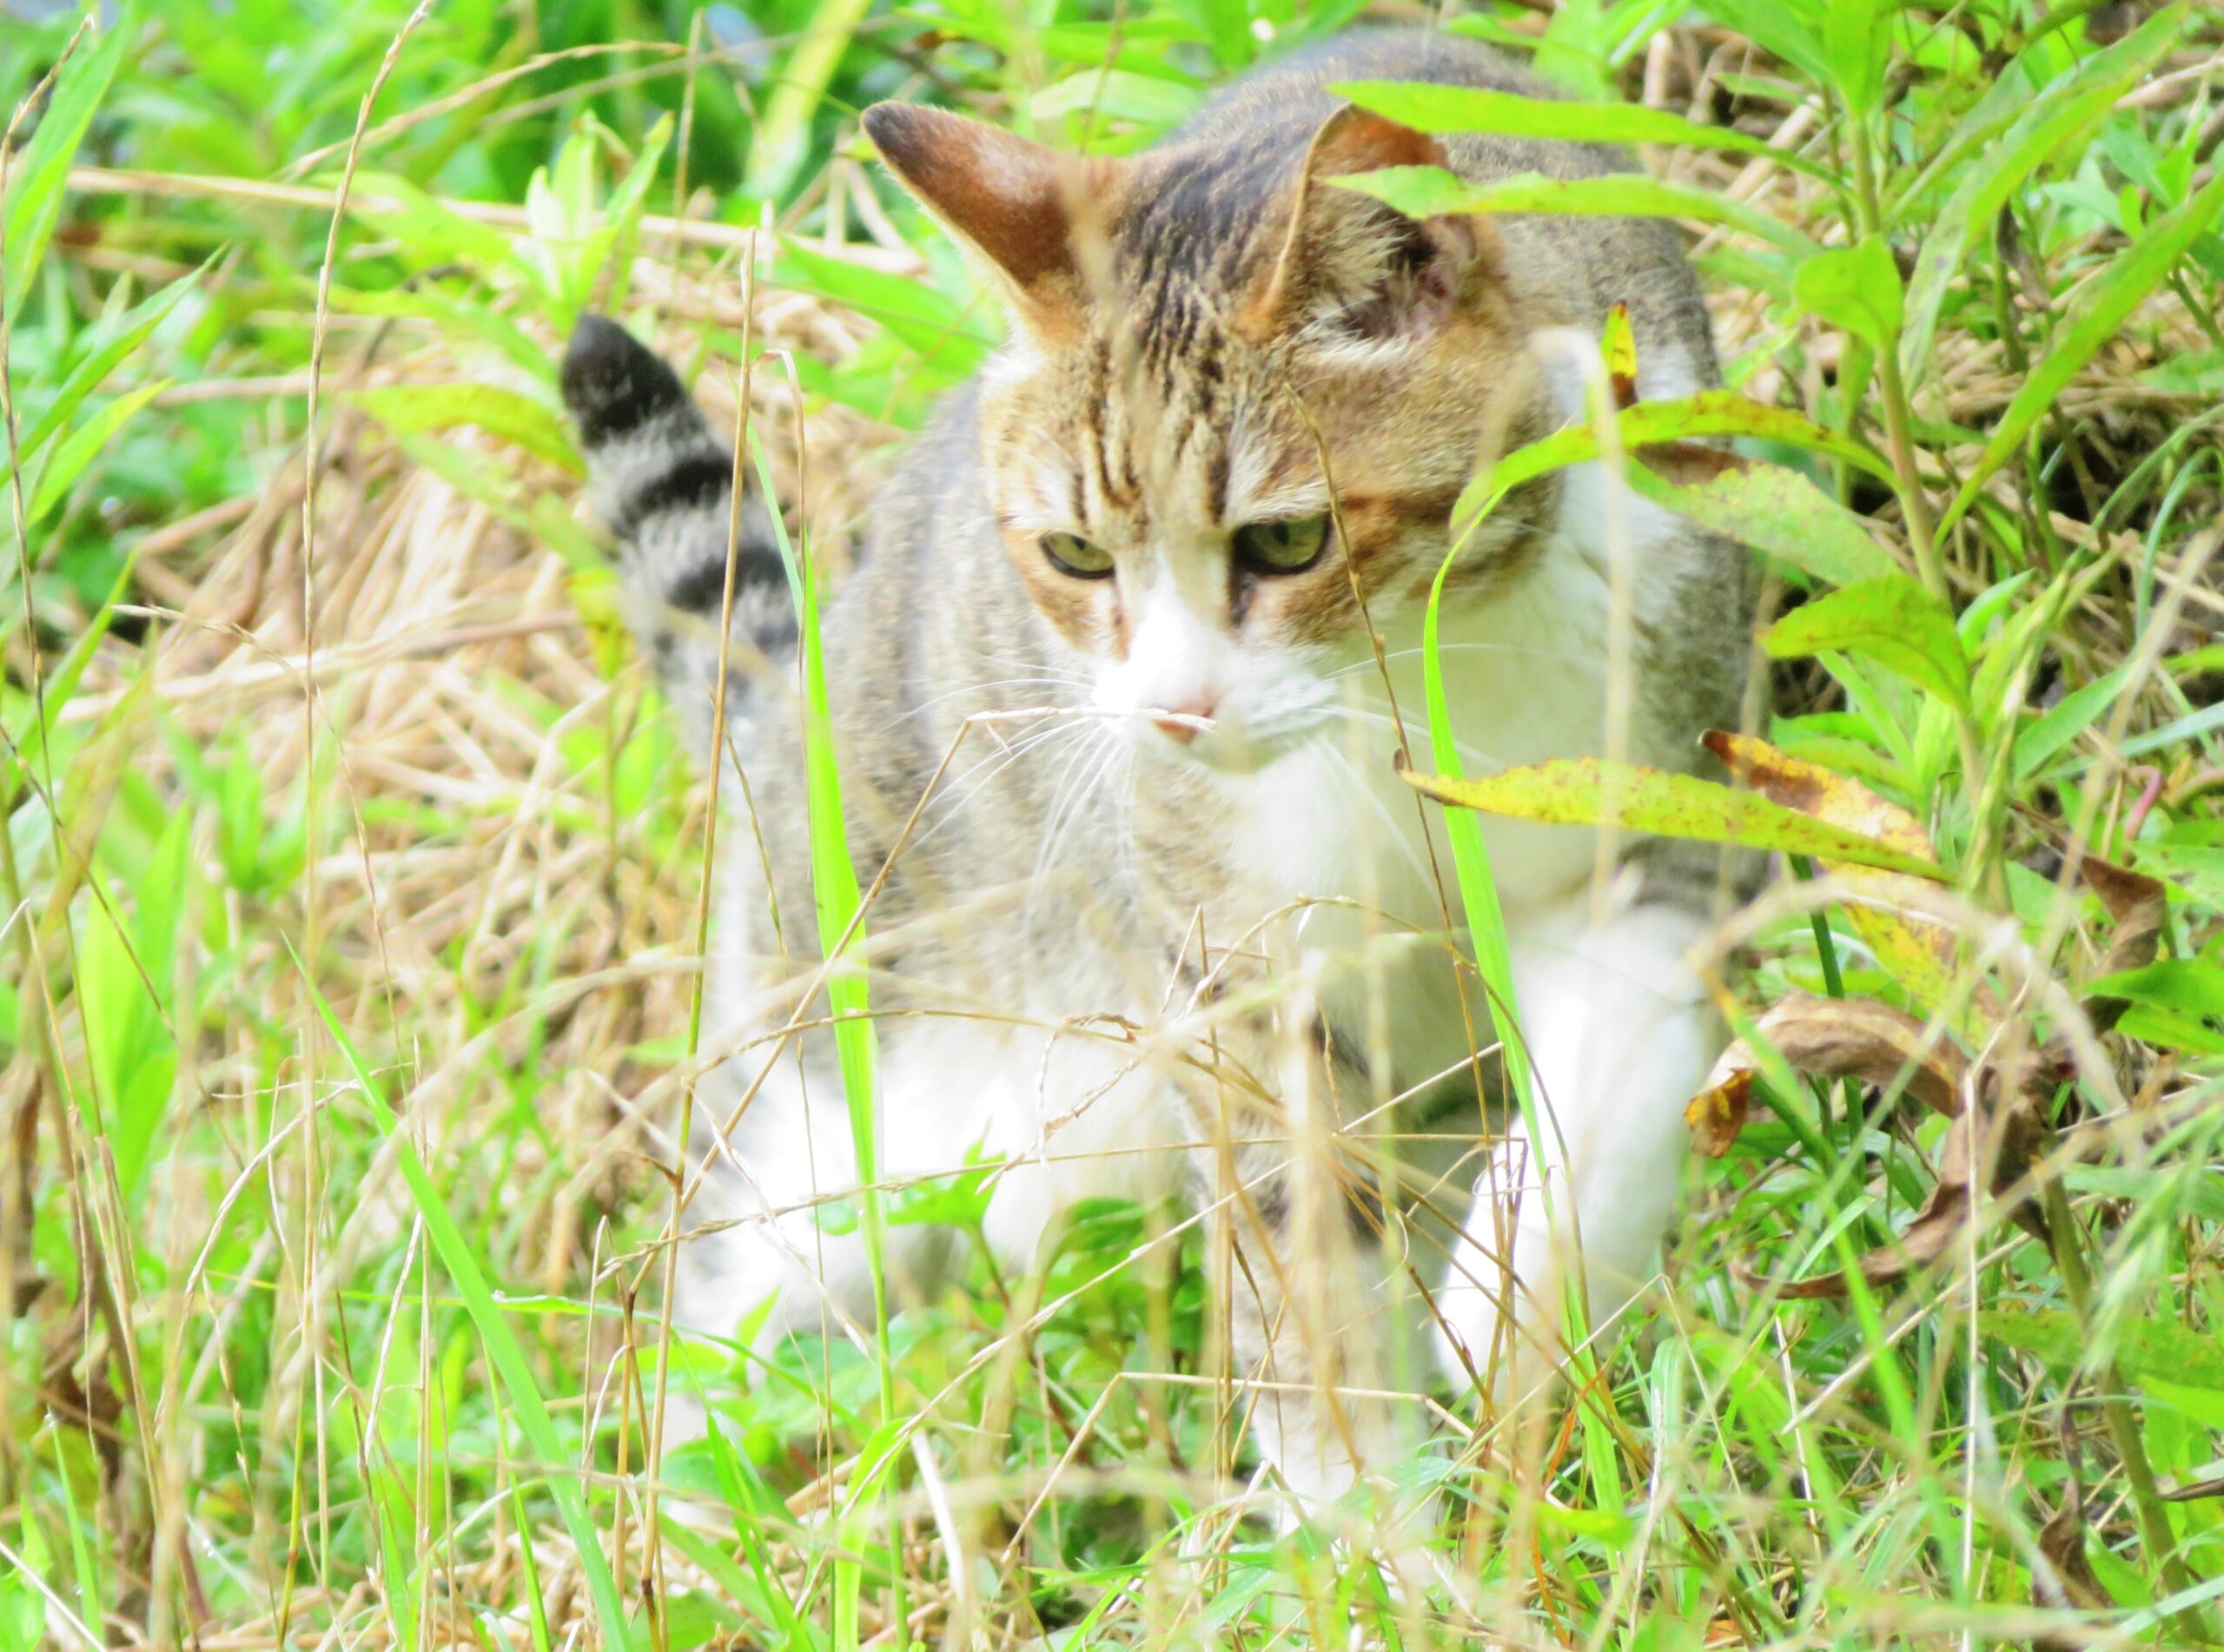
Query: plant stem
(2066, 1239)
(1980, 869)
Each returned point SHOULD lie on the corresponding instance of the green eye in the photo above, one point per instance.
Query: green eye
(1283, 547)
(1070, 553)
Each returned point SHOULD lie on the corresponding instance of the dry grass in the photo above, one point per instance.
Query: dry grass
(495, 898)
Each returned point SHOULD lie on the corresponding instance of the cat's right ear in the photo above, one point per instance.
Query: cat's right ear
(1016, 204)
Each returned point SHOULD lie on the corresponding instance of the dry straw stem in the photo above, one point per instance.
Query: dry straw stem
(454, 663)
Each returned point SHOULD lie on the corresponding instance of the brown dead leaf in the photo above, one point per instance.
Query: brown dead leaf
(1858, 1038)
(2195, 1491)
(1813, 789)
(1717, 1114)
(1987, 1146)
(1923, 956)
(2066, 1583)
(2139, 905)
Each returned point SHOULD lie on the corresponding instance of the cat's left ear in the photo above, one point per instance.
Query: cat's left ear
(1347, 260)
(1021, 207)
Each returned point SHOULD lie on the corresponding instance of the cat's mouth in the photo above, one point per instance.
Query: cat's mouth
(1224, 745)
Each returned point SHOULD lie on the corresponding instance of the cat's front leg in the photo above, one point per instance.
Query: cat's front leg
(1619, 1033)
(1318, 1312)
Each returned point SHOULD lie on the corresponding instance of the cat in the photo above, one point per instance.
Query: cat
(1156, 575)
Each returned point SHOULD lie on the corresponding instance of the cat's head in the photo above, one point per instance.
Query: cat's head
(1203, 339)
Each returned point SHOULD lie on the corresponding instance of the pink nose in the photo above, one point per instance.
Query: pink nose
(1182, 725)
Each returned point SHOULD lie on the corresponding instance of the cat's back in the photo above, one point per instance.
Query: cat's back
(1279, 104)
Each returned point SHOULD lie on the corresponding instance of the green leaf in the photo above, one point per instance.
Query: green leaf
(782, 138)
(1428, 192)
(1151, 101)
(2063, 722)
(2201, 866)
(2201, 373)
(1599, 1525)
(1855, 288)
(84, 445)
(23, 1604)
(914, 312)
(1589, 791)
(2034, 84)
(2045, 122)
(143, 1093)
(1645, 424)
(2171, 1029)
(38, 177)
(2101, 309)
(2193, 985)
(410, 409)
(2191, 726)
(1790, 29)
(1428, 108)
(124, 961)
(1856, 44)
(1893, 621)
(1775, 510)
(432, 231)
(131, 330)
(459, 1256)
(2144, 1347)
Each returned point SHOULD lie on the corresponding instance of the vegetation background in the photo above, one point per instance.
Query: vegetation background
(351, 881)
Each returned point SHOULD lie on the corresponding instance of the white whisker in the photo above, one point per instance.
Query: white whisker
(1402, 836)
(988, 768)
(1570, 656)
(1102, 759)
(1419, 731)
(979, 688)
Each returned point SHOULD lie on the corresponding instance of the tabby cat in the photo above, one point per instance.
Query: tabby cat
(1157, 574)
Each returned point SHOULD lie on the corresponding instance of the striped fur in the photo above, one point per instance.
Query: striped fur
(662, 480)
(1168, 889)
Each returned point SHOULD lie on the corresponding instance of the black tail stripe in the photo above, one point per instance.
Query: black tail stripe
(702, 589)
(693, 483)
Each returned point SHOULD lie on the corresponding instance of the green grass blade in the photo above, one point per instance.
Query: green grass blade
(1428, 108)
(841, 925)
(132, 330)
(784, 135)
(1427, 192)
(503, 1351)
(2107, 305)
(1471, 862)
(37, 178)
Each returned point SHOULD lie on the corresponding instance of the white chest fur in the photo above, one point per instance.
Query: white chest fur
(1526, 679)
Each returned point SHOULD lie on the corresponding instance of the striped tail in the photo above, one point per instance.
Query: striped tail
(663, 481)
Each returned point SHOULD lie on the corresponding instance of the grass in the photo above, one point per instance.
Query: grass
(353, 881)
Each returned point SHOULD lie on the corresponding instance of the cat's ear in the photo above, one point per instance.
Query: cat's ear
(1347, 259)
(1015, 202)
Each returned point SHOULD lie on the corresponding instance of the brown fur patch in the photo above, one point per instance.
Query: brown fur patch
(1015, 202)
